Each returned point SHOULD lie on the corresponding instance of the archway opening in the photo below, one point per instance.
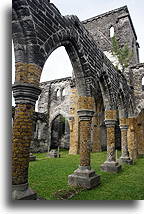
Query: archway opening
(54, 83)
(57, 66)
(60, 133)
(99, 142)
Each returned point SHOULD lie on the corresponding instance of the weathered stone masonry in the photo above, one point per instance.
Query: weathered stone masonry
(38, 28)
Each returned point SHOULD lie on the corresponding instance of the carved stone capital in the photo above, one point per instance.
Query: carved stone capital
(110, 123)
(123, 127)
(25, 93)
(85, 114)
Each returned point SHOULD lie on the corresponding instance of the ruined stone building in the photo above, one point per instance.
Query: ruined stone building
(58, 98)
(98, 108)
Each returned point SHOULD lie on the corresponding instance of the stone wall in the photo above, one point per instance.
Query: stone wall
(137, 75)
(40, 128)
(55, 101)
(99, 26)
(140, 133)
(66, 106)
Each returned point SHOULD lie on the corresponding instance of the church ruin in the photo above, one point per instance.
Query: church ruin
(98, 108)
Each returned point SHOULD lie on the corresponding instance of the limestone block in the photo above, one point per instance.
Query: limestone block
(85, 178)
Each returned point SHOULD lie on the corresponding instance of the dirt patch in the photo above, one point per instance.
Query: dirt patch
(67, 194)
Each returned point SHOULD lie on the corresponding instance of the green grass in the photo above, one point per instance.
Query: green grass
(48, 177)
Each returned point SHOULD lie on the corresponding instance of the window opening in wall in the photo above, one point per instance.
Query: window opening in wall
(64, 92)
(111, 31)
(58, 93)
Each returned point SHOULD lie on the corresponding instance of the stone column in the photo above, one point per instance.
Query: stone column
(25, 97)
(74, 147)
(124, 144)
(84, 176)
(96, 141)
(73, 121)
(110, 165)
(131, 138)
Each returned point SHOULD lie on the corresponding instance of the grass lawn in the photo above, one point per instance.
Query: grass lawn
(48, 177)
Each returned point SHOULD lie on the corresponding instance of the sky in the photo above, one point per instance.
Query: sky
(58, 64)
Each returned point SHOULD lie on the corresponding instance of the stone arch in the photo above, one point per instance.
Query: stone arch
(35, 40)
(75, 61)
(105, 95)
(131, 108)
(121, 104)
(32, 53)
(98, 133)
(56, 114)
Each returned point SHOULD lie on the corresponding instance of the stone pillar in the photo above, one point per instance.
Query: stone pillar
(110, 165)
(124, 144)
(74, 124)
(131, 137)
(96, 141)
(74, 147)
(140, 134)
(25, 97)
(84, 176)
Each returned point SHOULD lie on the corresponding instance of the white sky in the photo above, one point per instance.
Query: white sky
(58, 64)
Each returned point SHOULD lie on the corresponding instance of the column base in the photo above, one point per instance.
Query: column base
(111, 166)
(126, 160)
(84, 177)
(53, 154)
(23, 192)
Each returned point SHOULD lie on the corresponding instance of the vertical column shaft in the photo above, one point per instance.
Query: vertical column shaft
(22, 136)
(124, 147)
(85, 113)
(110, 126)
(131, 137)
(25, 97)
(85, 137)
(110, 122)
(74, 147)
(124, 144)
(110, 165)
(96, 141)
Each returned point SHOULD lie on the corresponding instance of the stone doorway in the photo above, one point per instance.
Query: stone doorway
(60, 133)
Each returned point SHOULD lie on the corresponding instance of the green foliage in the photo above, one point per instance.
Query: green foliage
(49, 179)
(124, 54)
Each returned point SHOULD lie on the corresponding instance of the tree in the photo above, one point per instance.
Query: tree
(123, 54)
